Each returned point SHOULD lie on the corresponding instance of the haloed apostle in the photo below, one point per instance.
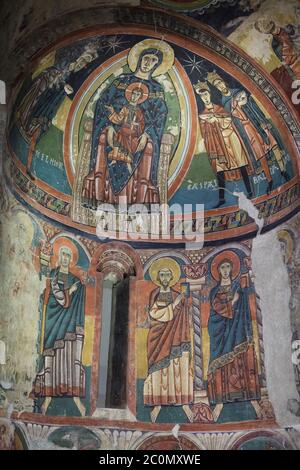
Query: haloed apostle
(62, 373)
(170, 380)
(233, 371)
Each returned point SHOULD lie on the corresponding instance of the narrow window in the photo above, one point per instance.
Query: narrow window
(113, 349)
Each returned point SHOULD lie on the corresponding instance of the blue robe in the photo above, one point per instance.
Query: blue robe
(257, 117)
(227, 333)
(62, 373)
(232, 372)
(47, 101)
(154, 111)
(63, 323)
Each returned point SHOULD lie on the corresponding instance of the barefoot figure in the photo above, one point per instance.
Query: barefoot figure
(233, 370)
(170, 379)
(62, 373)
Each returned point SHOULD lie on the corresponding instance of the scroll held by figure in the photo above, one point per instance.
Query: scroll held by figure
(62, 373)
(129, 122)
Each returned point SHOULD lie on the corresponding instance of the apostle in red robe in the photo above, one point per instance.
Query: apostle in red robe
(169, 380)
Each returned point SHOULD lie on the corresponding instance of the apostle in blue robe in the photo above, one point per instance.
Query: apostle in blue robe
(62, 373)
(232, 371)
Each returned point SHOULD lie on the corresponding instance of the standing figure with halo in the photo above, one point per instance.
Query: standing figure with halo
(232, 372)
(170, 378)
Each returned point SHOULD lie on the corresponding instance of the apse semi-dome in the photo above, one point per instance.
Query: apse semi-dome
(206, 123)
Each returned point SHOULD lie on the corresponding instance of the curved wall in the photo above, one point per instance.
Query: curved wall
(210, 326)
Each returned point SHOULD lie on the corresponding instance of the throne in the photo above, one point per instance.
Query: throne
(86, 216)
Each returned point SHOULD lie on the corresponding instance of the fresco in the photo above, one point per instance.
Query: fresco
(62, 331)
(149, 120)
(62, 381)
(51, 437)
(75, 437)
(7, 441)
(277, 49)
(202, 360)
(195, 330)
(134, 122)
(264, 440)
(168, 443)
(224, 18)
(156, 110)
(261, 443)
(51, 372)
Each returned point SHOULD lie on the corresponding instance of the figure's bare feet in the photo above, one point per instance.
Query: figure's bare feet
(45, 405)
(154, 413)
(217, 411)
(80, 405)
(188, 412)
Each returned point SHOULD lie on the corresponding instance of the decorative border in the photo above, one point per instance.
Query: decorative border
(233, 61)
(215, 225)
(191, 6)
(189, 28)
(122, 438)
(38, 418)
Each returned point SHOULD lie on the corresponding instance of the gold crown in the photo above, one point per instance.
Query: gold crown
(201, 86)
(213, 76)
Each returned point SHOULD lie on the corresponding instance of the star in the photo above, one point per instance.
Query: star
(113, 43)
(194, 64)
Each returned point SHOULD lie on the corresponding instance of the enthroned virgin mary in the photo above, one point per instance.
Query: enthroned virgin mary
(129, 122)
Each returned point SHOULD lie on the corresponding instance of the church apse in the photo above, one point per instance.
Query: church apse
(119, 336)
